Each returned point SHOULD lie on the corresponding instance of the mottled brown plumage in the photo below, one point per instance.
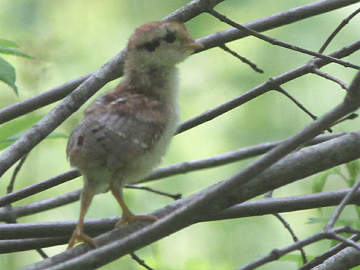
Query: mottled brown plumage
(125, 132)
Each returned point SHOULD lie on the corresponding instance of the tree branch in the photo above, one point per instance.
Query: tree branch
(170, 170)
(247, 209)
(279, 43)
(277, 253)
(212, 199)
(263, 88)
(341, 207)
(183, 14)
(344, 260)
(338, 29)
(331, 252)
(39, 187)
(276, 20)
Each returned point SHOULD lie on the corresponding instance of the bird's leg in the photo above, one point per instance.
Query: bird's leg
(127, 215)
(78, 234)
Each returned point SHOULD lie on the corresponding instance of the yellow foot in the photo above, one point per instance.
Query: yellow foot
(130, 218)
(79, 236)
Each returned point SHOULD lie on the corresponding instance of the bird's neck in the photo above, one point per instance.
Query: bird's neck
(154, 80)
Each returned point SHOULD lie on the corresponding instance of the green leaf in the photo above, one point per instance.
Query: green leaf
(295, 258)
(292, 258)
(353, 169)
(357, 209)
(4, 144)
(336, 170)
(8, 43)
(18, 125)
(350, 181)
(352, 222)
(313, 220)
(8, 141)
(11, 131)
(12, 51)
(7, 74)
(319, 182)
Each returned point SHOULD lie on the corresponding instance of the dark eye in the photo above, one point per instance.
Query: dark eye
(170, 37)
(151, 46)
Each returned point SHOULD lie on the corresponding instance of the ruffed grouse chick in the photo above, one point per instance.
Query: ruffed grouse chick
(125, 132)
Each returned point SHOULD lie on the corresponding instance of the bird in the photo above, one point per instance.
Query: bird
(125, 132)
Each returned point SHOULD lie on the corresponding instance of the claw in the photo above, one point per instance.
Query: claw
(79, 236)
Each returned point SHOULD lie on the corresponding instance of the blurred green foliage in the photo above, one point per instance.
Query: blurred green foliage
(70, 38)
(7, 71)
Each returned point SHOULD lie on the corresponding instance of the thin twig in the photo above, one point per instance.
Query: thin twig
(38, 132)
(42, 253)
(213, 40)
(60, 113)
(9, 207)
(214, 198)
(346, 259)
(8, 246)
(330, 253)
(39, 187)
(344, 240)
(43, 99)
(17, 169)
(241, 58)
(293, 235)
(287, 226)
(325, 45)
(36, 207)
(279, 43)
(341, 207)
(173, 196)
(162, 172)
(261, 89)
(140, 261)
(247, 209)
(276, 20)
(296, 166)
(338, 29)
(348, 117)
(353, 92)
(183, 14)
(275, 254)
(297, 103)
(329, 77)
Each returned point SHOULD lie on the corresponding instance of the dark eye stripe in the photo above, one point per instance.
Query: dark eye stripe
(151, 46)
(170, 37)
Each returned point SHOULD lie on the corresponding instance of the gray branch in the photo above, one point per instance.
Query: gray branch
(184, 14)
(220, 196)
(246, 209)
(296, 166)
(277, 253)
(274, 169)
(93, 83)
(264, 88)
(343, 260)
(157, 174)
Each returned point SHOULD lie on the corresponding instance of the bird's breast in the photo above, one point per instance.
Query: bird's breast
(122, 139)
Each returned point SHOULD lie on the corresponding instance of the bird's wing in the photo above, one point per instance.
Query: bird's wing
(113, 137)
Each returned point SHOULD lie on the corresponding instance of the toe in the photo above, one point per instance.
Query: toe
(81, 237)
